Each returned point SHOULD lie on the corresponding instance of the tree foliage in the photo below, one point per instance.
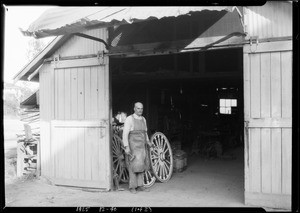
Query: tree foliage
(35, 46)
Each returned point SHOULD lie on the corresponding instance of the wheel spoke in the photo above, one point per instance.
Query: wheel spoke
(114, 147)
(115, 160)
(157, 139)
(154, 157)
(167, 162)
(164, 145)
(155, 152)
(155, 163)
(167, 169)
(163, 171)
(155, 142)
(166, 151)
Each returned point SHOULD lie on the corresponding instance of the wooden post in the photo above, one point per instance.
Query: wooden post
(28, 133)
(20, 159)
(38, 158)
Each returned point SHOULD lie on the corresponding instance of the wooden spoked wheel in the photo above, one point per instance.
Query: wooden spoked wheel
(118, 155)
(161, 157)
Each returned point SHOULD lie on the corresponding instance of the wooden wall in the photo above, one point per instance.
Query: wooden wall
(268, 138)
(74, 102)
(46, 78)
(81, 46)
(274, 19)
(78, 93)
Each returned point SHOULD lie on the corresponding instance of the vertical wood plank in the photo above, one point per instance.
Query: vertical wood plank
(80, 93)
(61, 152)
(95, 153)
(286, 74)
(275, 85)
(55, 142)
(67, 146)
(74, 103)
(101, 93)
(81, 152)
(94, 93)
(56, 93)
(46, 155)
(276, 160)
(102, 158)
(73, 145)
(266, 160)
(87, 154)
(286, 160)
(61, 92)
(67, 94)
(246, 118)
(87, 90)
(255, 86)
(255, 160)
(265, 85)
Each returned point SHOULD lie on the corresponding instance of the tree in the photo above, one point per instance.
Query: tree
(35, 46)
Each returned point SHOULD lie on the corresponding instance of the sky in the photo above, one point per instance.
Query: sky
(15, 44)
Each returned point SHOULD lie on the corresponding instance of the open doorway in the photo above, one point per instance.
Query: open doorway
(195, 99)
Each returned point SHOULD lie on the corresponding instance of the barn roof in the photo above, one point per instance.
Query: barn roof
(63, 20)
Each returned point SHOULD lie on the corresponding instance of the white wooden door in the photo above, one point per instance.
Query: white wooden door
(80, 130)
(268, 124)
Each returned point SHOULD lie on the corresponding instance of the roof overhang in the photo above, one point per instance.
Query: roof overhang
(65, 20)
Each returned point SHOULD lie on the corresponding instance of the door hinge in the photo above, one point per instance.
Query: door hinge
(101, 57)
(253, 42)
(56, 59)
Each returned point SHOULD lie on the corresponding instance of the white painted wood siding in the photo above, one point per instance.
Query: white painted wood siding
(268, 115)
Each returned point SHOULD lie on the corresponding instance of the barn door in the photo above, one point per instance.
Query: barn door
(268, 124)
(80, 132)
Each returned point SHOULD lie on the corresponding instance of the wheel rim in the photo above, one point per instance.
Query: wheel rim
(149, 179)
(161, 157)
(119, 164)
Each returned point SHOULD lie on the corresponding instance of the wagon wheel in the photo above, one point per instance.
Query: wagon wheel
(119, 159)
(161, 157)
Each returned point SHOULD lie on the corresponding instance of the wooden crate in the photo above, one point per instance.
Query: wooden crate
(180, 161)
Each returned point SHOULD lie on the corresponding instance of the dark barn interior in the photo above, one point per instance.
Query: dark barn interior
(193, 98)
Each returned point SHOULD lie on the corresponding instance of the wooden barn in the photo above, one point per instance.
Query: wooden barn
(195, 64)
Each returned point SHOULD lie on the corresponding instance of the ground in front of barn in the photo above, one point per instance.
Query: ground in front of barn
(205, 183)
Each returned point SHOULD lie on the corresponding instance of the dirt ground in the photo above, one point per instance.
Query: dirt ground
(205, 183)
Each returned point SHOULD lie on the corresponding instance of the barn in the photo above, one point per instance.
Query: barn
(200, 71)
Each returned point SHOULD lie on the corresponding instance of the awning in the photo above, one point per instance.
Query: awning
(65, 20)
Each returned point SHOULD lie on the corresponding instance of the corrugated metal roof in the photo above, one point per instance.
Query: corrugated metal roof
(64, 20)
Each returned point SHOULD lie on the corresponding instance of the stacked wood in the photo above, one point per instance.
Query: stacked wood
(27, 149)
